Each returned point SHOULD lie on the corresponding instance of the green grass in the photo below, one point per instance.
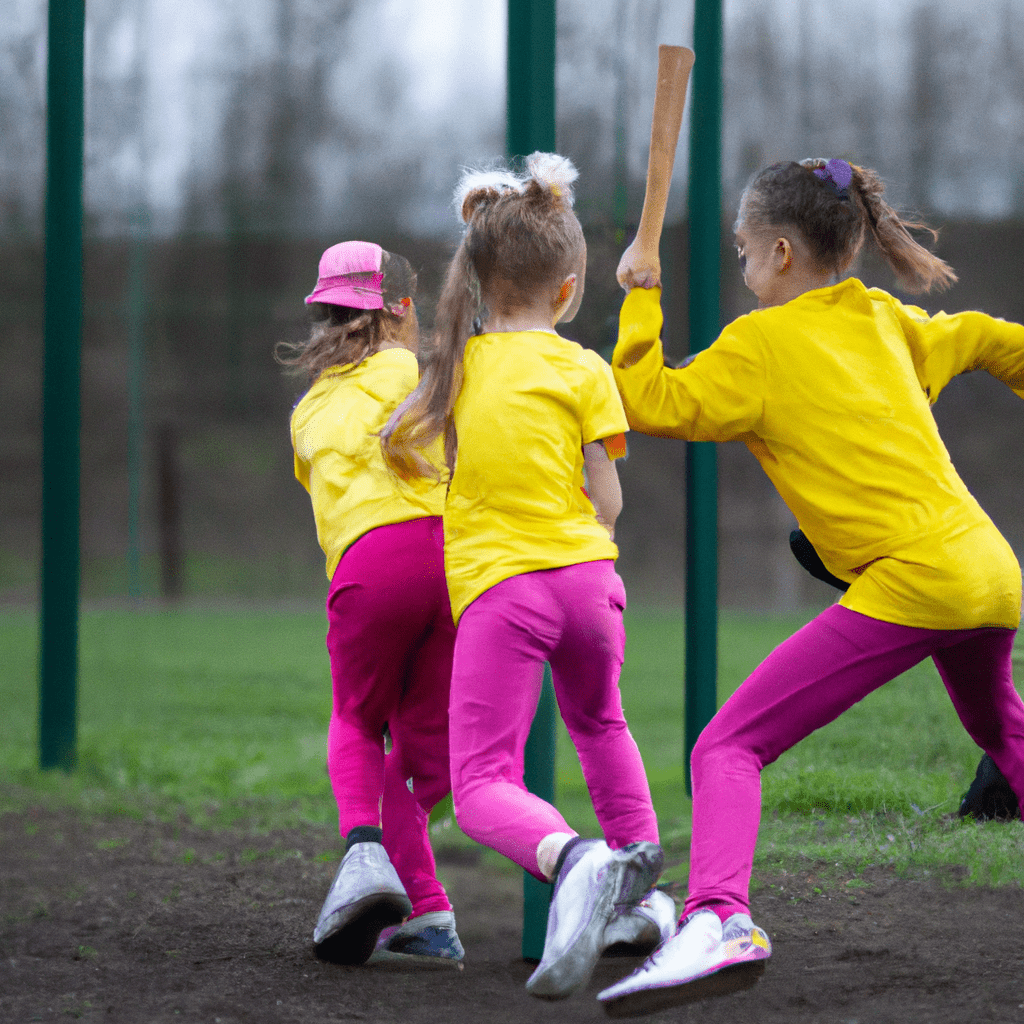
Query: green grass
(221, 715)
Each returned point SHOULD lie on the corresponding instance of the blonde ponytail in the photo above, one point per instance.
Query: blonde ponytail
(427, 413)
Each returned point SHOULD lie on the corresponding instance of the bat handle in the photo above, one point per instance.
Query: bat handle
(640, 265)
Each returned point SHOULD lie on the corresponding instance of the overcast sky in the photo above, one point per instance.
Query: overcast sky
(416, 89)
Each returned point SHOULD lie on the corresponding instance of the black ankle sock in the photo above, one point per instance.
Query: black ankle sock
(363, 834)
(565, 853)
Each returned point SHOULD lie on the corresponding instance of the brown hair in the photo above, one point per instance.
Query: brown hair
(345, 336)
(834, 221)
(521, 235)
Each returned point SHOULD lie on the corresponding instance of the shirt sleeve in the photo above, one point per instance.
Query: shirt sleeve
(334, 419)
(302, 467)
(601, 412)
(945, 345)
(718, 396)
(615, 447)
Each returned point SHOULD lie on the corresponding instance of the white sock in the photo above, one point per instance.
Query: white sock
(548, 850)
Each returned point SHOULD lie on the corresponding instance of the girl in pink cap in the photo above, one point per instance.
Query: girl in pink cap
(530, 558)
(830, 384)
(390, 632)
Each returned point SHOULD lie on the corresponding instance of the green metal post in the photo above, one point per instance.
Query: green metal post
(136, 322)
(62, 359)
(705, 216)
(530, 121)
(530, 126)
(539, 777)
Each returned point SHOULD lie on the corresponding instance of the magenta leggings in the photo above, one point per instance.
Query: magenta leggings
(836, 660)
(391, 637)
(572, 618)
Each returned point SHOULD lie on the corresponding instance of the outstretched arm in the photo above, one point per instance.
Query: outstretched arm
(945, 345)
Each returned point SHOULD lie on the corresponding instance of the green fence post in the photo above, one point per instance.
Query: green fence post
(136, 322)
(705, 217)
(539, 776)
(530, 126)
(62, 360)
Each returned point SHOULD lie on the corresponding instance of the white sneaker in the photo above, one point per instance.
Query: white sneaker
(702, 959)
(365, 897)
(593, 882)
(639, 930)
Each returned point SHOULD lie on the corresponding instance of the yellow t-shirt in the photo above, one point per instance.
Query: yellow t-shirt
(831, 392)
(529, 402)
(338, 458)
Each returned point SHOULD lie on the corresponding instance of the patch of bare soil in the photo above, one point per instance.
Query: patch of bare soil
(147, 923)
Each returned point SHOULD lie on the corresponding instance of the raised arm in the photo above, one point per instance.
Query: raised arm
(717, 397)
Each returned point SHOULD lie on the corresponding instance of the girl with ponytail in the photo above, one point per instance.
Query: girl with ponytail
(526, 417)
(830, 384)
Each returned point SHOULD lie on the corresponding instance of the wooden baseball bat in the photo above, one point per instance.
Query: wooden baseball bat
(674, 65)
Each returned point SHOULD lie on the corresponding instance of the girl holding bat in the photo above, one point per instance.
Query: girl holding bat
(830, 385)
(390, 634)
(530, 559)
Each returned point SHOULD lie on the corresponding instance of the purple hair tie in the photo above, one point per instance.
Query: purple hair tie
(837, 174)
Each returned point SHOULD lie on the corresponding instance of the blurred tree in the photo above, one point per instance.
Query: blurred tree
(22, 112)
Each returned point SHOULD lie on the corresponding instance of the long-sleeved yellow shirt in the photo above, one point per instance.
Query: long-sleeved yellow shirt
(338, 457)
(831, 392)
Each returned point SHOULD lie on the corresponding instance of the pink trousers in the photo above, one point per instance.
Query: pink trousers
(836, 660)
(390, 638)
(572, 618)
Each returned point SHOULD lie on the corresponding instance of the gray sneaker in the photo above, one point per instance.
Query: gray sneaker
(639, 930)
(593, 884)
(428, 940)
(365, 897)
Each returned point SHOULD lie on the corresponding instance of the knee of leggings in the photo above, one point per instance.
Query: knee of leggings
(707, 745)
(714, 753)
(464, 821)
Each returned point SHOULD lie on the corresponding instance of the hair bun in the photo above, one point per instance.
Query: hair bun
(549, 172)
(476, 187)
(556, 173)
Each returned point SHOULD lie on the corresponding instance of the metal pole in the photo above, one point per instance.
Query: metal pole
(530, 126)
(539, 777)
(137, 302)
(62, 359)
(705, 216)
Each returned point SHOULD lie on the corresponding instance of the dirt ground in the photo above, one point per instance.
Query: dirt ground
(148, 923)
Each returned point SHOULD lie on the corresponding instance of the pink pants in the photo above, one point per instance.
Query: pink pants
(836, 660)
(390, 637)
(571, 618)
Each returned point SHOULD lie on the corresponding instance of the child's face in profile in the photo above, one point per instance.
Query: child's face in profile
(762, 262)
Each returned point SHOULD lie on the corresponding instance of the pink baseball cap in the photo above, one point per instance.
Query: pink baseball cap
(351, 274)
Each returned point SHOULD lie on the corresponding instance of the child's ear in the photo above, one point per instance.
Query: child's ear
(569, 297)
(782, 252)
